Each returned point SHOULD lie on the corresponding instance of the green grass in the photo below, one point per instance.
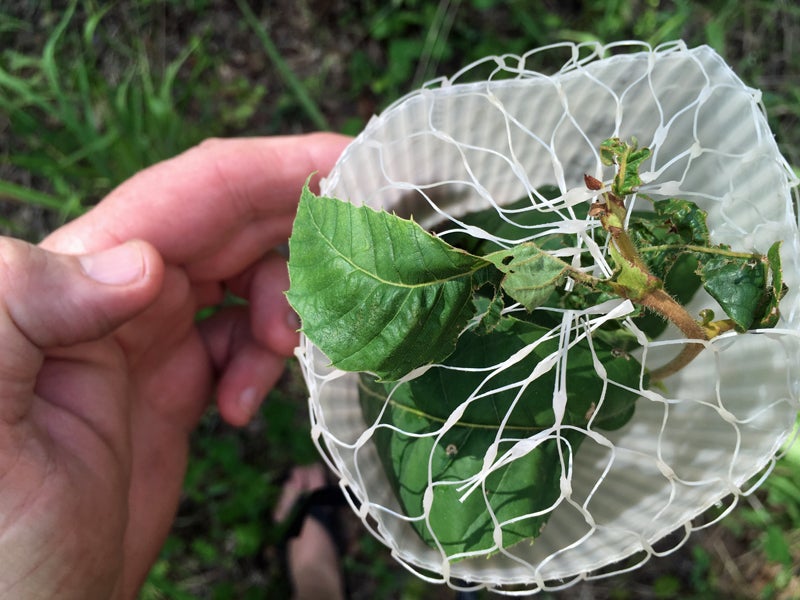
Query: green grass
(97, 101)
(91, 92)
(77, 129)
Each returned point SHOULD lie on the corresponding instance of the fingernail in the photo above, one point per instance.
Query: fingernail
(250, 400)
(120, 265)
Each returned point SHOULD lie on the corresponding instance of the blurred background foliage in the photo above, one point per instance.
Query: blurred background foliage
(92, 91)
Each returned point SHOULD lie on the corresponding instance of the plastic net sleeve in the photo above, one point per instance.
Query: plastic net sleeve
(497, 132)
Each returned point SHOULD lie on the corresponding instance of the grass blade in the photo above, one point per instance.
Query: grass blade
(22, 194)
(295, 85)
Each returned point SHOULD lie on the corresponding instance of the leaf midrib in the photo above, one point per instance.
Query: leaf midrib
(480, 264)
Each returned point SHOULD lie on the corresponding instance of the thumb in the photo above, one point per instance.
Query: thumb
(54, 300)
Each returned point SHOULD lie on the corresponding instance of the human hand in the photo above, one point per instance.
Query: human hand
(104, 371)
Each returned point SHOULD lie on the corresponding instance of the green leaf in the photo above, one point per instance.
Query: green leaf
(628, 157)
(776, 546)
(531, 274)
(662, 236)
(489, 312)
(675, 242)
(420, 463)
(769, 313)
(634, 278)
(376, 292)
(741, 285)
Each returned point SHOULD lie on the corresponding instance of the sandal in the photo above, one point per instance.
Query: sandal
(320, 504)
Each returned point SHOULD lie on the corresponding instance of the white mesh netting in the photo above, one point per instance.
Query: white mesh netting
(457, 146)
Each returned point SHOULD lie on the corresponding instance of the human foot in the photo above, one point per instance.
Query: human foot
(312, 556)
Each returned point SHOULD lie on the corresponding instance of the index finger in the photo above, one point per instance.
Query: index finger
(238, 194)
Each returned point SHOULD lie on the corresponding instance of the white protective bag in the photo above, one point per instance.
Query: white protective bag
(712, 430)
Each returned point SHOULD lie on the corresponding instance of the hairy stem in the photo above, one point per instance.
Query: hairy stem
(701, 249)
(654, 298)
(665, 305)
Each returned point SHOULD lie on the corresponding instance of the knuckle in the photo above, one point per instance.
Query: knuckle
(210, 144)
(16, 259)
